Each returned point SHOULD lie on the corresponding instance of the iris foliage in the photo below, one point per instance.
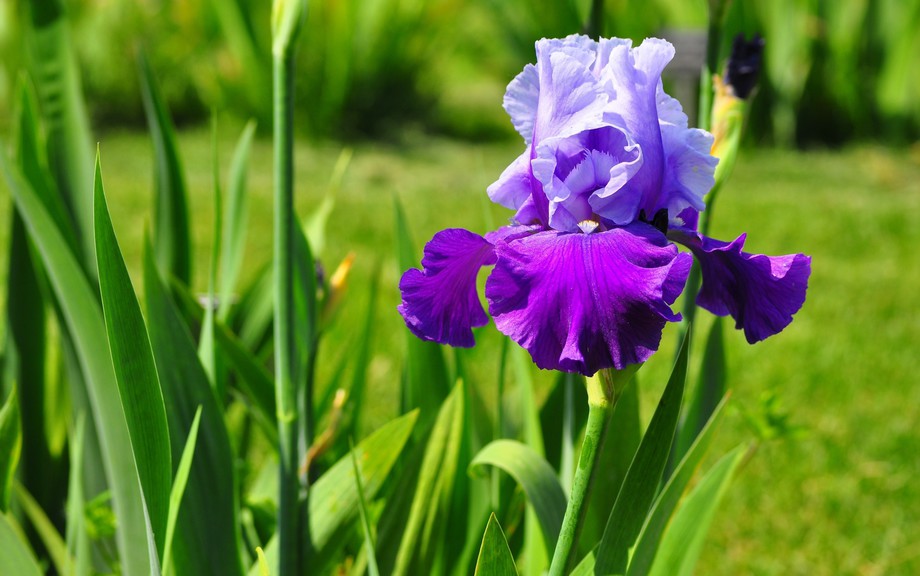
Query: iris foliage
(187, 435)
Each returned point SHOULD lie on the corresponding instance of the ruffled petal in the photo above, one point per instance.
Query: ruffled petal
(760, 292)
(634, 75)
(583, 302)
(570, 101)
(513, 187)
(690, 169)
(521, 99)
(439, 302)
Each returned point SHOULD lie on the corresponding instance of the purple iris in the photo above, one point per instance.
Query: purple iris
(585, 275)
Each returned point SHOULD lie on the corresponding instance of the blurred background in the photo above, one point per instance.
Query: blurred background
(834, 71)
(414, 87)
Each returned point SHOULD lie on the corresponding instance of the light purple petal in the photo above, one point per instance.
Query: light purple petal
(439, 302)
(513, 187)
(572, 170)
(689, 172)
(521, 99)
(760, 292)
(570, 101)
(634, 75)
(583, 302)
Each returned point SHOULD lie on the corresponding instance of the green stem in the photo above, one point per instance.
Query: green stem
(604, 389)
(285, 346)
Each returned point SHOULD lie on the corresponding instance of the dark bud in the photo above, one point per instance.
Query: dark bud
(744, 65)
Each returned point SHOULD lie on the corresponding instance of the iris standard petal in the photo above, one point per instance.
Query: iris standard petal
(439, 302)
(583, 302)
(634, 75)
(513, 187)
(760, 292)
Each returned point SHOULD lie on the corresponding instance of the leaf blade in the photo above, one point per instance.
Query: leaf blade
(536, 477)
(495, 558)
(135, 371)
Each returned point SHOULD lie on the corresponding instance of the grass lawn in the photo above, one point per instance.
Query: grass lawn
(841, 498)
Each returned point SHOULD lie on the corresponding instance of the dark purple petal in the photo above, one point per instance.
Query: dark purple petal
(440, 303)
(583, 302)
(760, 292)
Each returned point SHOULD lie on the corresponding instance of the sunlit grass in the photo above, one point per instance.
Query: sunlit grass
(840, 500)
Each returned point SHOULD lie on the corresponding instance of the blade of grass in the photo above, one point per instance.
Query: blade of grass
(171, 231)
(334, 499)
(10, 447)
(178, 490)
(710, 390)
(50, 537)
(315, 225)
(206, 349)
(641, 483)
(15, 556)
(27, 341)
(644, 552)
(77, 537)
(495, 558)
(135, 371)
(236, 218)
(680, 547)
(253, 380)
(208, 526)
(84, 321)
(57, 82)
(365, 522)
(536, 477)
(418, 547)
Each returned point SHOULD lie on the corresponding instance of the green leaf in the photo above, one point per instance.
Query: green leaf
(495, 558)
(536, 477)
(365, 522)
(76, 537)
(10, 447)
(171, 233)
(254, 381)
(425, 382)
(709, 391)
(647, 544)
(55, 72)
(206, 538)
(50, 537)
(362, 360)
(682, 542)
(585, 567)
(537, 547)
(178, 489)
(235, 220)
(206, 349)
(417, 549)
(334, 497)
(135, 371)
(641, 483)
(84, 321)
(27, 348)
(315, 225)
(15, 556)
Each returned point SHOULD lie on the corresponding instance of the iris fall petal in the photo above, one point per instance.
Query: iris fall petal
(583, 302)
(439, 302)
(760, 292)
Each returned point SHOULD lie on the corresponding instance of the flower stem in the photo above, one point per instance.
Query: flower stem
(604, 389)
(285, 348)
(287, 20)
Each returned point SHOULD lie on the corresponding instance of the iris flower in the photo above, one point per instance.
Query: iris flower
(585, 275)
